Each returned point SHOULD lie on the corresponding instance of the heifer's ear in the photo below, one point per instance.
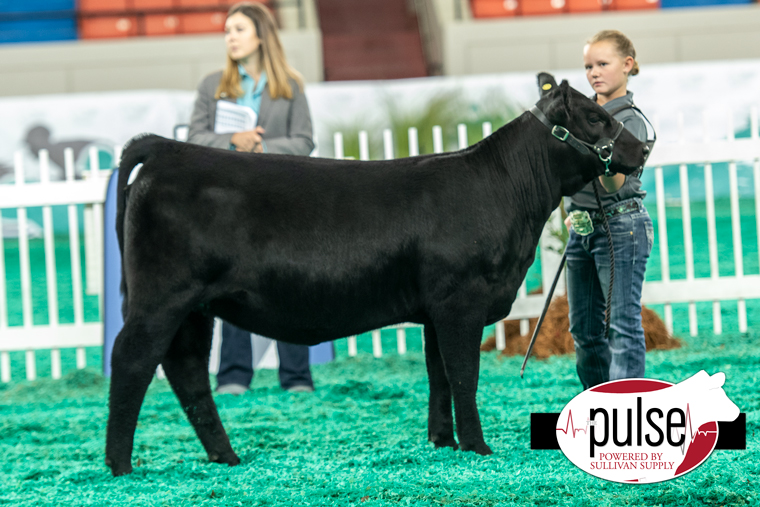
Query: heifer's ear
(546, 83)
(565, 93)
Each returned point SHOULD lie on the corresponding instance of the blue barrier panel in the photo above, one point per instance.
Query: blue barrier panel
(112, 318)
(36, 5)
(37, 30)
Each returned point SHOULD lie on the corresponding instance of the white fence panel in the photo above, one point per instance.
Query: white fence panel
(45, 194)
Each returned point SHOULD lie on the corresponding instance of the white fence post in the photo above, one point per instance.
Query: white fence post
(352, 349)
(363, 145)
(437, 139)
(663, 230)
(414, 145)
(462, 136)
(683, 176)
(712, 239)
(388, 144)
(500, 336)
(522, 293)
(401, 340)
(338, 145)
(377, 344)
(5, 360)
(50, 271)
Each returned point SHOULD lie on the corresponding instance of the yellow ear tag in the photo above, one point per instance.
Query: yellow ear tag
(546, 86)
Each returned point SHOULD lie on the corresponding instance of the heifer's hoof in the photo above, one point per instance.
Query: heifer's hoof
(118, 470)
(479, 448)
(444, 441)
(229, 458)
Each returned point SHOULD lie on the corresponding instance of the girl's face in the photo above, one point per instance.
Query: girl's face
(606, 70)
(240, 37)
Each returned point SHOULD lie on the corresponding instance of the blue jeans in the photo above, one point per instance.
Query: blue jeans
(599, 359)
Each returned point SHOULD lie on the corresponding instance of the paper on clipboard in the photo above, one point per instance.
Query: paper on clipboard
(232, 118)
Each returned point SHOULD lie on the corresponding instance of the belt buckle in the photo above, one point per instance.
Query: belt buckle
(581, 222)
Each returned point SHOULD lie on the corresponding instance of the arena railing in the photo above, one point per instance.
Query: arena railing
(90, 192)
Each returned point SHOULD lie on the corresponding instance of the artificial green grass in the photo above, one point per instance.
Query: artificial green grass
(360, 439)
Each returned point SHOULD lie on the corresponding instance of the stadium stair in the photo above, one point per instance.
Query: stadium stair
(370, 39)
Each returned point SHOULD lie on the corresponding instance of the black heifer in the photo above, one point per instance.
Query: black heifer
(306, 250)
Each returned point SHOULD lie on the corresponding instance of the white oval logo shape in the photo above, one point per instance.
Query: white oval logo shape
(643, 430)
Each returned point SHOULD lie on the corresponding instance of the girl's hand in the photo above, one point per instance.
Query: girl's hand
(567, 222)
(249, 141)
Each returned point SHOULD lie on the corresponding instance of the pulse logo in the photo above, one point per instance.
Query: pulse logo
(643, 431)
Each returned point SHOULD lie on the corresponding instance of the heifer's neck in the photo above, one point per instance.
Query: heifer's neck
(522, 160)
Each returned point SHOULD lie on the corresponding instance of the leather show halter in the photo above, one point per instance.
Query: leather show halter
(603, 147)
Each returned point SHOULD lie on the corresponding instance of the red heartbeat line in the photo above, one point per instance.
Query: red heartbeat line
(569, 425)
(691, 430)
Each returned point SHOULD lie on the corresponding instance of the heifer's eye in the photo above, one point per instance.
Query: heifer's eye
(594, 120)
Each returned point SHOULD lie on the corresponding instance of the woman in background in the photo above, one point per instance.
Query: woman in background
(257, 76)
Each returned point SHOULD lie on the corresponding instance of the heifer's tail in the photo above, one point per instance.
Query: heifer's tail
(135, 152)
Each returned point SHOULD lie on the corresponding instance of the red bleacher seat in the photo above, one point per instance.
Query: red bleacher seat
(587, 5)
(101, 5)
(162, 24)
(106, 27)
(625, 5)
(539, 7)
(152, 4)
(203, 22)
(200, 3)
(494, 8)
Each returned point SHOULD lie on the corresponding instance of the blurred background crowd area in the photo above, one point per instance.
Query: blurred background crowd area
(66, 46)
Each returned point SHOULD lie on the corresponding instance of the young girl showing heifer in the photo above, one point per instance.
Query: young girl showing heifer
(609, 59)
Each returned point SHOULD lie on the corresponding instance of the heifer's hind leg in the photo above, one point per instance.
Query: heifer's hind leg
(186, 367)
(137, 351)
(440, 420)
(459, 333)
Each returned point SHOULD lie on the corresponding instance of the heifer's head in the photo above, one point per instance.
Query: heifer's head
(589, 140)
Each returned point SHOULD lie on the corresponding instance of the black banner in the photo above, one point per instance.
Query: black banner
(543, 432)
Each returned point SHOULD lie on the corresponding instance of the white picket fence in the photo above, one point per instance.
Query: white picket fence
(716, 288)
(45, 193)
(91, 192)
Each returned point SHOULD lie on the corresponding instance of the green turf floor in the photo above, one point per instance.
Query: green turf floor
(360, 439)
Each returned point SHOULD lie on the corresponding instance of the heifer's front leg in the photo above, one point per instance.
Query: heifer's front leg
(186, 367)
(440, 420)
(459, 331)
(135, 357)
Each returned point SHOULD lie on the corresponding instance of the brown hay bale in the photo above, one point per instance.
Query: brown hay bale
(555, 338)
